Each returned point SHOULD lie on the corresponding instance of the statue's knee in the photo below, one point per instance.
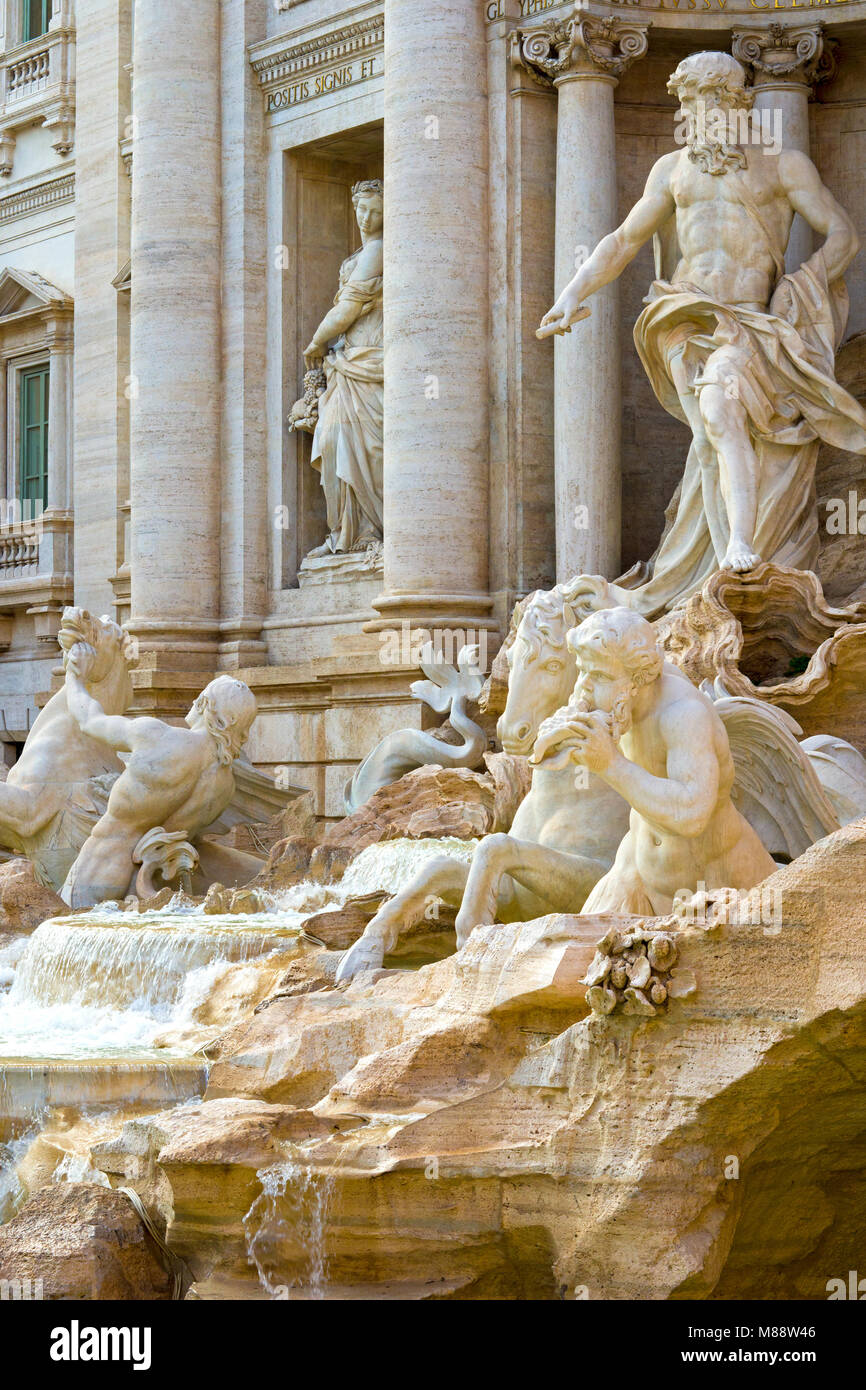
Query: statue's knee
(440, 867)
(493, 848)
(716, 410)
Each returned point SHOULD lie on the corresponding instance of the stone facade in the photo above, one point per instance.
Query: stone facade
(175, 192)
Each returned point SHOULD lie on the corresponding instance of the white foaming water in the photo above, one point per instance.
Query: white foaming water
(107, 983)
(11, 1152)
(392, 863)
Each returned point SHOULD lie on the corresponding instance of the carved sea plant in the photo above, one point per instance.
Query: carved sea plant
(635, 970)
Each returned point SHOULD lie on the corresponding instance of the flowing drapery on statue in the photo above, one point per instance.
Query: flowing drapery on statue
(347, 444)
(739, 351)
(783, 362)
(343, 404)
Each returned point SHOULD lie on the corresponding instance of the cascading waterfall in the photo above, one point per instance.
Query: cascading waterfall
(286, 1227)
(12, 1150)
(108, 983)
(391, 863)
(110, 1008)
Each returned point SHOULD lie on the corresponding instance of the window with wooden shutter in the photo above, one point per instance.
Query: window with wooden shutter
(33, 442)
(37, 17)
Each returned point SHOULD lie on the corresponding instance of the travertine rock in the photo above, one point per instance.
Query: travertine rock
(288, 862)
(304, 976)
(24, 901)
(242, 1131)
(339, 927)
(498, 1142)
(296, 1049)
(430, 801)
(437, 801)
(329, 861)
(83, 1242)
(296, 819)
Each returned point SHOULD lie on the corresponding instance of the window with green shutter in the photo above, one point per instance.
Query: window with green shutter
(34, 435)
(37, 17)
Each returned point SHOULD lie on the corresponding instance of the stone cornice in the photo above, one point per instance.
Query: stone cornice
(676, 14)
(37, 197)
(296, 60)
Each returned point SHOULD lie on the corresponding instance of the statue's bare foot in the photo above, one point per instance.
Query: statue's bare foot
(366, 954)
(740, 557)
(320, 550)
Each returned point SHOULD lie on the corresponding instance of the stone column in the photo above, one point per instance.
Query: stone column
(436, 440)
(102, 211)
(175, 331)
(60, 397)
(55, 544)
(785, 61)
(244, 521)
(583, 58)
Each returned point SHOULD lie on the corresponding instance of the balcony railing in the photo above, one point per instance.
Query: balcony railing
(28, 76)
(37, 80)
(19, 550)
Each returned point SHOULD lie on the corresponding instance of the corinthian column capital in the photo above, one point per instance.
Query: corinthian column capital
(583, 46)
(785, 53)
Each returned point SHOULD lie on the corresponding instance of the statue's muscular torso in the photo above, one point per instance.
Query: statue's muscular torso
(723, 250)
(668, 861)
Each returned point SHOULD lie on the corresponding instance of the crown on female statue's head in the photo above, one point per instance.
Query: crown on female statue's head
(368, 186)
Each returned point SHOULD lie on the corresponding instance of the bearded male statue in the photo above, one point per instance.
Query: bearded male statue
(734, 347)
(176, 781)
(637, 722)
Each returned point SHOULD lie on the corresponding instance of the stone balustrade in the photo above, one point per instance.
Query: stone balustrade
(37, 82)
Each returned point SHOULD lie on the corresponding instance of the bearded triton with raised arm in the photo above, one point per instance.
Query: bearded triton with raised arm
(740, 351)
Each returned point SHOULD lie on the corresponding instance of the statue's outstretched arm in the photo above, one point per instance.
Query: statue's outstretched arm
(614, 252)
(85, 708)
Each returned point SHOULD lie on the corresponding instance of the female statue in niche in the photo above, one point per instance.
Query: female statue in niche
(347, 345)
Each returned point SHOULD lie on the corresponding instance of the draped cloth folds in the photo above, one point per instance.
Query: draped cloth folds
(780, 366)
(347, 443)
